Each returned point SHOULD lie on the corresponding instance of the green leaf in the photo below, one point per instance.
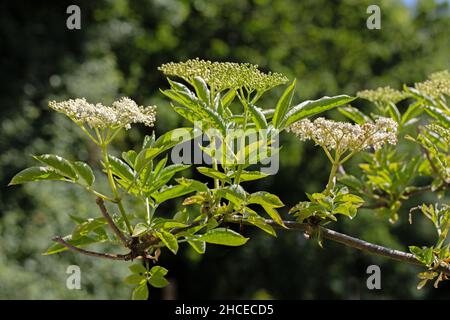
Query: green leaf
(213, 118)
(162, 223)
(266, 199)
(424, 254)
(137, 268)
(130, 157)
(261, 223)
(191, 183)
(177, 86)
(166, 174)
(352, 198)
(234, 193)
(250, 175)
(201, 89)
(35, 174)
(156, 278)
(135, 279)
(268, 113)
(198, 246)
(145, 156)
(139, 229)
(161, 165)
(121, 169)
(283, 105)
(148, 141)
(215, 174)
(257, 116)
(169, 240)
(351, 181)
(224, 237)
(181, 216)
(354, 115)
(393, 112)
(61, 165)
(413, 111)
(164, 142)
(140, 292)
(442, 116)
(312, 107)
(171, 192)
(346, 209)
(273, 213)
(84, 228)
(174, 137)
(187, 114)
(228, 98)
(85, 173)
(198, 107)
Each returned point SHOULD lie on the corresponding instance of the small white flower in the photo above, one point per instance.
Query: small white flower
(345, 136)
(121, 114)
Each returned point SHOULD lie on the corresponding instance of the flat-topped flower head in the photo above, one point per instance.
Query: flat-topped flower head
(121, 114)
(224, 75)
(438, 84)
(345, 136)
(383, 95)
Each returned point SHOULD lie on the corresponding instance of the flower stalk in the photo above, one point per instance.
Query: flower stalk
(113, 186)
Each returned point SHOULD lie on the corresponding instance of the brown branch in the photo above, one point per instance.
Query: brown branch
(111, 223)
(123, 257)
(351, 242)
(326, 233)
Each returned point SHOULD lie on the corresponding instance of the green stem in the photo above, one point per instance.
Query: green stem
(245, 103)
(87, 133)
(331, 179)
(214, 162)
(102, 196)
(114, 187)
(113, 135)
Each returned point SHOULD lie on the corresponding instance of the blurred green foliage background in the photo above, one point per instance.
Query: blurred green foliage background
(324, 44)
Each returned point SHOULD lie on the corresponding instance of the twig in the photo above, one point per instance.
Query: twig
(123, 257)
(110, 222)
(352, 242)
(329, 234)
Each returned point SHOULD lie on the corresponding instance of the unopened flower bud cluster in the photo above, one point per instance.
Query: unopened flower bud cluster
(442, 133)
(383, 95)
(438, 84)
(224, 75)
(121, 114)
(346, 136)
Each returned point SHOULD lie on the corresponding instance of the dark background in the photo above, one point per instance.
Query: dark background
(324, 44)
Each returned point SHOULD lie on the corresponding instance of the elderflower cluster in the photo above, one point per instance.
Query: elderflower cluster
(224, 75)
(438, 83)
(344, 136)
(121, 114)
(383, 95)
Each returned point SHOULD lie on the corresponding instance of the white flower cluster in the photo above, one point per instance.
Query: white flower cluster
(345, 136)
(121, 114)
